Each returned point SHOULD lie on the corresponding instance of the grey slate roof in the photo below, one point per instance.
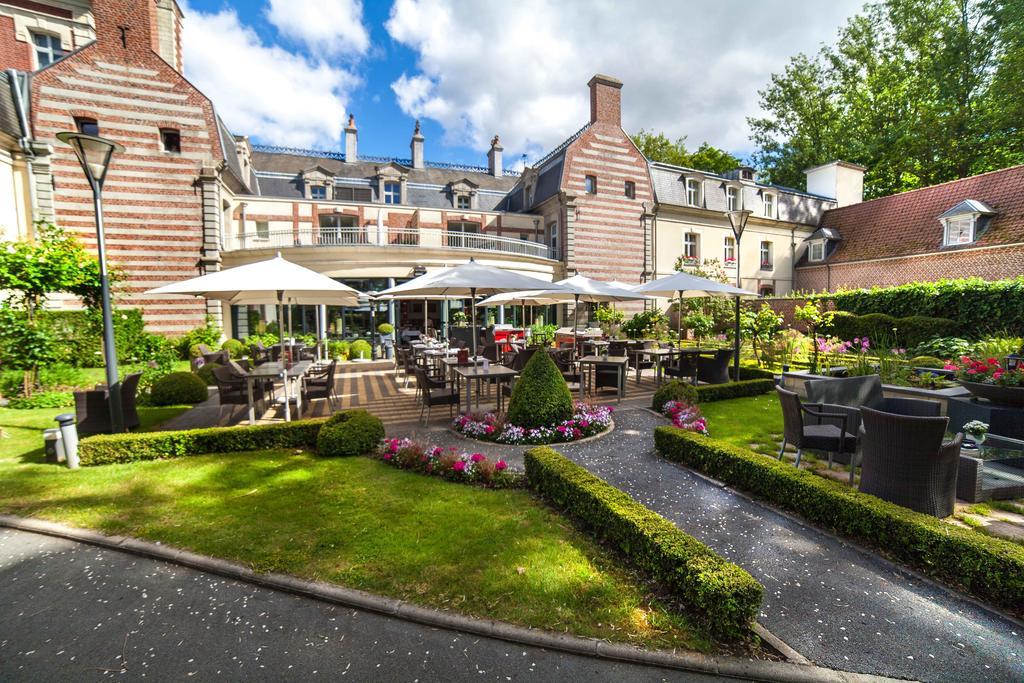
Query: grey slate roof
(792, 205)
(227, 142)
(9, 122)
(426, 187)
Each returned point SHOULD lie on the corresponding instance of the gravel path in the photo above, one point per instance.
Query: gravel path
(70, 611)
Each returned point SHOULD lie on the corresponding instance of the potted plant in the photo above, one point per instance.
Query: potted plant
(977, 430)
(989, 380)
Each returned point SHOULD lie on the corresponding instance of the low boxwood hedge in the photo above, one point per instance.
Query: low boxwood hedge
(350, 432)
(748, 372)
(720, 594)
(991, 568)
(706, 393)
(105, 449)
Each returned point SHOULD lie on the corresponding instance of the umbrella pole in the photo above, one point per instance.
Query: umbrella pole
(736, 359)
(284, 363)
(679, 319)
(472, 298)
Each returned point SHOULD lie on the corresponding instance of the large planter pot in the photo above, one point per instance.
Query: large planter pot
(1007, 396)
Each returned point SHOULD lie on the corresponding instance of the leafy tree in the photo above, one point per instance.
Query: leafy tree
(657, 147)
(720, 310)
(919, 91)
(760, 328)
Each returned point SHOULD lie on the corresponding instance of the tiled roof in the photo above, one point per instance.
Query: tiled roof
(908, 223)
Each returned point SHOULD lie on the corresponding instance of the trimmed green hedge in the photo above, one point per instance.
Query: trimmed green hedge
(350, 432)
(540, 396)
(706, 393)
(748, 372)
(977, 306)
(724, 596)
(105, 449)
(991, 568)
(676, 390)
(909, 331)
(178, 388)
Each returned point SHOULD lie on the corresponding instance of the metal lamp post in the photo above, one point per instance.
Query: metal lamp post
(738, 221)
(94, 154)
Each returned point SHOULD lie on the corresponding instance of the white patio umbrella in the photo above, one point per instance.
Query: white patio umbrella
(685, 285)
(470, 279)
(272, 281)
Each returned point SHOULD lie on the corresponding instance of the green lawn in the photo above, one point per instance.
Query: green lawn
(356, 522)
(753, 422)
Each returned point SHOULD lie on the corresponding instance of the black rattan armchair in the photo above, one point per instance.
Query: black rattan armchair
(865, 391)
(433, 395)
(714, 370)
(92, 409)
(905, 461)
(320, 384)
(832, 438)
(640, 361)
(232, 388)
(683, 366)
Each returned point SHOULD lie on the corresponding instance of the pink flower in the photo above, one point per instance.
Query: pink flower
(387, 456)
(501, 465)
(459, 466)
(477, 457)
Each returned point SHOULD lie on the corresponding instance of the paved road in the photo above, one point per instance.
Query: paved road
(70, 611)
(837, 606)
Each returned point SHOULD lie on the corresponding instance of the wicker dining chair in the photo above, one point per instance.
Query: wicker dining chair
(433, 395)
(830, 438)
(92, 408)
(904, 460)
(714, 370)
(319, 384)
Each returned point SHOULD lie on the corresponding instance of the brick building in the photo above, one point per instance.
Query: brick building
(973, 227)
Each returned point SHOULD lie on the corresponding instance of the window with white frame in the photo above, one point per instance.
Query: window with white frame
(48, 49)
(768, 204)
(959, 230)
(691, 251)
(462, 201)
(816, 251)
(732, 198)
(392, 192)
(766, 255)
(729, 251)
(693, 192)
(318, 192)
(262, 230)
(553, 238)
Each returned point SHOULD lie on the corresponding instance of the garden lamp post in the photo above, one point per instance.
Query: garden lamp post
(738, 221)
(94, 154)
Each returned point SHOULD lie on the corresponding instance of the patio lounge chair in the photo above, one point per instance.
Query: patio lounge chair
(905, 461)
(865, 391)
(232, 389)
(92, 410)
(682, 366)
(320, 384)
(714, 370)
(832, 438)
(210, 356)
(433, 395)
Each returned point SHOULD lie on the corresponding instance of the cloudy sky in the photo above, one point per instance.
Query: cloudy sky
(288, 72)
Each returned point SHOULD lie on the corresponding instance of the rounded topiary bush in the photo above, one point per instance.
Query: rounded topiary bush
(205, 373)
(350, 432)
(541, 397)
(178, 388)
(676, 390)
(360, 348)
(235, 348)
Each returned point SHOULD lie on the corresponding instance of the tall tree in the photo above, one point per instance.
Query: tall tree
(919, 91)
(657, 147)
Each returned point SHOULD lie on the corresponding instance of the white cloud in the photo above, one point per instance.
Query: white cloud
(520, 69)
(332, 27)
(261, 90)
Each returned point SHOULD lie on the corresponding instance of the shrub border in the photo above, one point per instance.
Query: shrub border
(990, 568)
(709, 393)
(104, 449)
(721, 595)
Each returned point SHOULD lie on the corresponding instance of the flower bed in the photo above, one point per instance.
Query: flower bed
(587, 420)
(449, 463)
(685, 416)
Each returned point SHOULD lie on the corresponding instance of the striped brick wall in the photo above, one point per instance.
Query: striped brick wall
(153, 205)
(606, 237)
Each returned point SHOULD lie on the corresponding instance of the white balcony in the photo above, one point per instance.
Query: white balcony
(374, 237)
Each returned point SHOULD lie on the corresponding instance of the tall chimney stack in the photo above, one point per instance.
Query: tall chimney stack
(417, 146)
(351, 139)
(605, 100)
(494, 158)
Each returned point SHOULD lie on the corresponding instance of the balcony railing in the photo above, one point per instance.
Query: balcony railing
(372, 236)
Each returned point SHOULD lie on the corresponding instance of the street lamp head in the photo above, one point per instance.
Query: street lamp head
(738, 221)
(93, 154)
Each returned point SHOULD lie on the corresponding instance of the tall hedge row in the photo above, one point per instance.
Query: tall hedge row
(978, 306)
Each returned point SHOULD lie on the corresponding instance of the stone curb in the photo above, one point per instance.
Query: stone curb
(783, 672)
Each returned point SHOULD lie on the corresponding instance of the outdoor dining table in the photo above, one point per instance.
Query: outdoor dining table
(695, 351)
(657, 355)
(276, 370)
(477, 372)
(621, 364)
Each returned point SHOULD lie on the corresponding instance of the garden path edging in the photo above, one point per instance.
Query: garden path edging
(723, 666)
(595, 437)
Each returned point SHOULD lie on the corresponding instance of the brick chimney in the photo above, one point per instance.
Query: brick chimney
(417, 146)
(124, 28)
(351, 139)
(605, 100)
(494, 158)
(167, 33)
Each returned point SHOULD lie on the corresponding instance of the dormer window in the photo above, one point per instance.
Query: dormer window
(318, 192)
(318, 182)
(965, 222)
(816, 251)
(392, 192)
(732, 198)
(462, 201)
(768, 205)
(692, 192)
